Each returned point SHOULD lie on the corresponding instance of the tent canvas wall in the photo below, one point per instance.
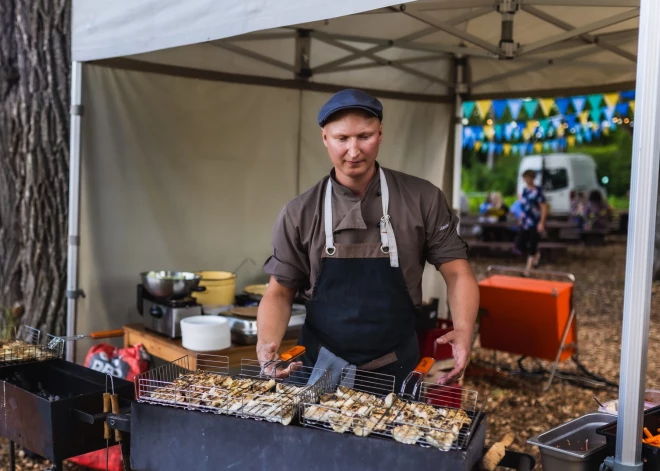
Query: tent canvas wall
(173, 174)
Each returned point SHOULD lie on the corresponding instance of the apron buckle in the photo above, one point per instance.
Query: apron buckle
(330, 251)
(384, 249)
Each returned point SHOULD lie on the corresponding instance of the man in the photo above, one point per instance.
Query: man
(532, 222)
(356, 244)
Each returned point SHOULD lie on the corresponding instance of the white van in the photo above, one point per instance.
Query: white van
(561, 175)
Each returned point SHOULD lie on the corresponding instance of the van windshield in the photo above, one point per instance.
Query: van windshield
(555, 179)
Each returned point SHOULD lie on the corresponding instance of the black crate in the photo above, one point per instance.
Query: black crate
(650, 454)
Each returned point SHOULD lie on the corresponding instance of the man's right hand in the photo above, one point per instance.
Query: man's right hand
(266, 352)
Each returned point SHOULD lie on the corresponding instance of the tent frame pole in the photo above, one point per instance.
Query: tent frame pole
(72, 290)
(461, 88)
(641, 237)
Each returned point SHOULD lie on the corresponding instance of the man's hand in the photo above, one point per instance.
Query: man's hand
(540, 227)
(461, 343)
(463, 297)
(266, 352)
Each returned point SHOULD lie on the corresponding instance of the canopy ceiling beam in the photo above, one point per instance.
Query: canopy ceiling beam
(576, 63)
(333, 65)
(412, 60)
(264, 36)
(587, 38)
(605, 22)
(532, 67)
(567, 91)
(329, 40)
(253, 55)
(457, 32)
(582, 3)
(215, 76)
(456, 4)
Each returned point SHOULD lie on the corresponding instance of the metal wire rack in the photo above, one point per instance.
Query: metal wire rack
(27, 347)
(250, 394)
(365, 403)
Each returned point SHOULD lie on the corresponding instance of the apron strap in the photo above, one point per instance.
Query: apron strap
(327, 213)
(387, 239)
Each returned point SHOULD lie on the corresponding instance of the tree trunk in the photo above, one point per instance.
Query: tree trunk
(35, 62)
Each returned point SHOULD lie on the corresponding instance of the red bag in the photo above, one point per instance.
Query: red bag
(125, 363)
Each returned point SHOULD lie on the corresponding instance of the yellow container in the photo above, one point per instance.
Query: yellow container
(220, 288)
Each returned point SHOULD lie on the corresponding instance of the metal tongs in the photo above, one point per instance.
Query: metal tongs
(286, 357)
(106, 334)
(418, 374)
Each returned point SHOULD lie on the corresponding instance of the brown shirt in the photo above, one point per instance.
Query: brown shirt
(424, 226)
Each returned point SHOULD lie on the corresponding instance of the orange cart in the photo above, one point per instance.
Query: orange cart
(529, 313)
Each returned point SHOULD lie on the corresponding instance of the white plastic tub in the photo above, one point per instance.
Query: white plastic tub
(205, 333)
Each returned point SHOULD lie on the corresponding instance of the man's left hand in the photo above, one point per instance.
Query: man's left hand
(540, 227)
(461, 344)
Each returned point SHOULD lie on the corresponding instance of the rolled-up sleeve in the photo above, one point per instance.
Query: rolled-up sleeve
(443, 244)
(289, 263)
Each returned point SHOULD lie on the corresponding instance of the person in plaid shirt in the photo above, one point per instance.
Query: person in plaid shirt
(532, 222)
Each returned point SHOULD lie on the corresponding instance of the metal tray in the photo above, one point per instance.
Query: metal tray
(575, 445)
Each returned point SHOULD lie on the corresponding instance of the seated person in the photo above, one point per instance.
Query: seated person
(597, 214)
(578, 205)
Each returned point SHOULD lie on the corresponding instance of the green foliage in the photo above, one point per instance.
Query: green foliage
(476, 177)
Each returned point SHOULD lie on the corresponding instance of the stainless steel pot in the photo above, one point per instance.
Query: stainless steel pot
(171, 284)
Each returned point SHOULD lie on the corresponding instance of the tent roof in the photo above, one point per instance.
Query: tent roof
(558, 45)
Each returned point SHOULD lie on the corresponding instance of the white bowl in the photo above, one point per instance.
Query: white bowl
(205, 333)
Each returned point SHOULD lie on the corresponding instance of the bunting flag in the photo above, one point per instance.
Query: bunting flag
(571, 120)
(514, 106)
(530, 107)
(578, 103)
(489, 131)
(631, 103)
(594, 101)
(627, 95)
(477, 145)
(611, 99)
(595, 114)
(468, 109)
(507, 149)
(562, 105)
(584, 117)
(608, 111)
(499, 107)
(622, 108)
(538, 147)
(483, 107)
(546, 105)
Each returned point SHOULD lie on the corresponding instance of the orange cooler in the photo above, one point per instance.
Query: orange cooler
(526, 316)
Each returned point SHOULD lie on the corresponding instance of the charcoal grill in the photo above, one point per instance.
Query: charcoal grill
(54, 408)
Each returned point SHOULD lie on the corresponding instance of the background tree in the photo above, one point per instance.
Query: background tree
(35, 61)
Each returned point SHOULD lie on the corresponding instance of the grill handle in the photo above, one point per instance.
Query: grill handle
(417, 375)
(121, 422)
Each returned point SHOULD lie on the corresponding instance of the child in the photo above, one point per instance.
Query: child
(598, 213)
(532, 222)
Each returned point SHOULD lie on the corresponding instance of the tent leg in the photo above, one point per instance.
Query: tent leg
(72, 291)
(460, 64)
(641, 234)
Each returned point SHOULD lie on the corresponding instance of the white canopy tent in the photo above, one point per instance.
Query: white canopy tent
(199, 124)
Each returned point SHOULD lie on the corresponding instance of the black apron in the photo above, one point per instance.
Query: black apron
(360, 308)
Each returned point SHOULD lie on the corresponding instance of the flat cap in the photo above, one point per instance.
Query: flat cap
(350, 98)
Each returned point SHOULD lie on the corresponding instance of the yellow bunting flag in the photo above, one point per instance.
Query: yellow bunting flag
(538, 147)
(477, 145)
(527, 134)
(546, 105)
(507, 149)
(611, 99)
(483, 107)
(606, 131)
(632, 105)
(571, 141)
(489, 131)
(560, 131)
(584, 117)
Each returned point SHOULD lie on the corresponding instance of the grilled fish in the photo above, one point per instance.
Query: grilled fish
(407, 434)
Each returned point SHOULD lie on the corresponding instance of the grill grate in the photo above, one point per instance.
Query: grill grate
(365, 404)
(250, 394)
(27, 347)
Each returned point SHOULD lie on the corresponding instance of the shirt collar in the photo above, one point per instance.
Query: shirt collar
(341, 190)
